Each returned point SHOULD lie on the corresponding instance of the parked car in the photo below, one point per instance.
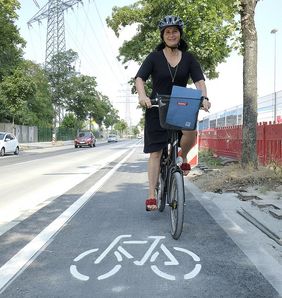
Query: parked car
(8, 144)
(85, 138)
(112, 138)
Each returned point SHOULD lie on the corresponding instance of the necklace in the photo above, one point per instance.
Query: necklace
(170, 72)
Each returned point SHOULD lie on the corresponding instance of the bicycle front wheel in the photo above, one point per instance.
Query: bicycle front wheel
(176, 203)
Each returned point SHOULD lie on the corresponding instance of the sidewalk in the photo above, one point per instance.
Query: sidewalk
(40, 145)
(227, 210)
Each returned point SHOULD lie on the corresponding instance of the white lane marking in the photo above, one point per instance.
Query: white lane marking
(125, 253)
(23, 207)
(135, 242)
(110, 273)
(162, 274)
(118, 256)
(154, 256)
(149, 251)
(197, 267)
(76, 274)
(194, 272)
(84, 254)
(188, 252)
(107, 250)
(18, 262)
(173, 260)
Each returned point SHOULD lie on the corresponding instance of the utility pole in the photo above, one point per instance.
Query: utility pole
(127, 107)
(274, 31)
(55, 40)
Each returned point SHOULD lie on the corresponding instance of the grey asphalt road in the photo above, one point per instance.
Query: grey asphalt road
(96, 240)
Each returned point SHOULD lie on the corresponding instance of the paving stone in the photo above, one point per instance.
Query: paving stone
(276, 213)
(247, 197)
(263, 204)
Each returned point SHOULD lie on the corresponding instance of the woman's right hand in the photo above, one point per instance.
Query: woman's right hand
(145, 102)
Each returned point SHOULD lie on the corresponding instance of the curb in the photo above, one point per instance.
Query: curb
(41, 145)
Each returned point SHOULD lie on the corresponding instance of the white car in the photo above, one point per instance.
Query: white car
(112, 138)
(8, 144)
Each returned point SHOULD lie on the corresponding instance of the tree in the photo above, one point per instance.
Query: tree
(135, 131)
(121, 126)
(212, 32)
(60, 70)
(82, 95)
(210, 27)
(111, 118)
(25, 96)
(102, 111)
(40, 106)
(70, 121)
(142, 122)
(85, 101)
(11, 43)
(15, 92)
(249, 39)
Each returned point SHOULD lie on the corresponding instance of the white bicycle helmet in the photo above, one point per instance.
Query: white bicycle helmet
(169, 21)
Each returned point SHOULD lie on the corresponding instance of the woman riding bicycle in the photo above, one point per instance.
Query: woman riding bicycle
(170, 64)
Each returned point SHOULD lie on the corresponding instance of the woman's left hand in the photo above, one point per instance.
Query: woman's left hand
(206, 105)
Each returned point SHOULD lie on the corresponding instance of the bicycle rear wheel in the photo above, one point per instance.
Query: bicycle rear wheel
(176, 203)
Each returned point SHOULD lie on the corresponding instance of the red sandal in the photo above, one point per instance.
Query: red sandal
(151, 202)
(185, 167)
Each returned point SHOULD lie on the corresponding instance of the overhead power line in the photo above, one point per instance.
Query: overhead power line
(108, 39)
(35, 2)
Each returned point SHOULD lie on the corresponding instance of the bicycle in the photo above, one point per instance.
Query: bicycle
(170, 186)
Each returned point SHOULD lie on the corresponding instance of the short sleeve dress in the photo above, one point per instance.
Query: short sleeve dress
(156, 66)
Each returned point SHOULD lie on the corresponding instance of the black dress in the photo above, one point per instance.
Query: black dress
(156, 66)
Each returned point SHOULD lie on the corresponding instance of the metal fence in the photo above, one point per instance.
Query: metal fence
(234, 116)
(62, 134)
(30, 134)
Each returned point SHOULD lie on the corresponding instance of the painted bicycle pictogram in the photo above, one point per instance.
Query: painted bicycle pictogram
(120, 248)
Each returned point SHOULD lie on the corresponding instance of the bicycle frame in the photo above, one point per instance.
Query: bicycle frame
(169, 156)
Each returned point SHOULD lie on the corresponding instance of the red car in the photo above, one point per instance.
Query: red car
(85, 138)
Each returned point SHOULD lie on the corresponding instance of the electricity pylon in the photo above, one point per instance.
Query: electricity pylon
(55, 41)
(54, 12)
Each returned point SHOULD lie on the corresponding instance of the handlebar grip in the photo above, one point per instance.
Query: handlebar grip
(154, 101)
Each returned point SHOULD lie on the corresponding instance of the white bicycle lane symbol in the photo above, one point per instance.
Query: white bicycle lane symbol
(152, 253)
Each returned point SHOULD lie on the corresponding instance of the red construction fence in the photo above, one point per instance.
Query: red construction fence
(227, 141)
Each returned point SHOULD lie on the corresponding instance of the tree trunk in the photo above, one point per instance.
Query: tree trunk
(249, 36)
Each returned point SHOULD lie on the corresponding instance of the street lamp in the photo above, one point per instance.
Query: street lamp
(274, 31)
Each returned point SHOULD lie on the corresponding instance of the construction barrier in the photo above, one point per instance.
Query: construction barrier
(227, 141)
(192, 156)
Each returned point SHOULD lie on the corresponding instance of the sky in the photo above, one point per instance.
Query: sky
(86, 33)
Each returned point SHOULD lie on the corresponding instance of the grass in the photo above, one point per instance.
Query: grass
(207, 157)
